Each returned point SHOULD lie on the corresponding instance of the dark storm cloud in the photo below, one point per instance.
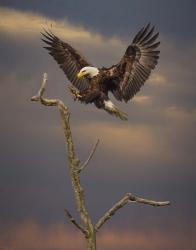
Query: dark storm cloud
(113, 17)
(153, 154)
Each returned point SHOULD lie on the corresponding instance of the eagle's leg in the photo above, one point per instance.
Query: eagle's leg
(75, 93)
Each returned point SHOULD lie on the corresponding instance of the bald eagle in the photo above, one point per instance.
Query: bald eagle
(124, 79)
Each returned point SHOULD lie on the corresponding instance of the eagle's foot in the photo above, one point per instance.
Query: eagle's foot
(75, 93)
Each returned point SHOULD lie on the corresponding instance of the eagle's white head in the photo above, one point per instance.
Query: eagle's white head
(88, 72)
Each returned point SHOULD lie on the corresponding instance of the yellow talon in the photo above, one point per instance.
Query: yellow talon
(78, 95)
(75, 93)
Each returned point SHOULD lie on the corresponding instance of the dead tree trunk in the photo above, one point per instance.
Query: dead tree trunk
(87, 228)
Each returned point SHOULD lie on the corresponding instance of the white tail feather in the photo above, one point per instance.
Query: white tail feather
(113, 110)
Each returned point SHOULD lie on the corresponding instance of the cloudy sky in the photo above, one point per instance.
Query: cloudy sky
(152, 155)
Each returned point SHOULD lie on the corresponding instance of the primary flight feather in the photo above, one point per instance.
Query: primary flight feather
(124, 79)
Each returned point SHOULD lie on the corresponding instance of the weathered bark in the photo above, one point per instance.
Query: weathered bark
(74, 166)
(128, 198)
(87, 227)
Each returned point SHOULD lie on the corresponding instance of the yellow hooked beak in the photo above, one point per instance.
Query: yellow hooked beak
(81, 74)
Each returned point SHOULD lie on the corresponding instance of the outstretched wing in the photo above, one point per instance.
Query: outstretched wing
(69, 60)
(136, 65)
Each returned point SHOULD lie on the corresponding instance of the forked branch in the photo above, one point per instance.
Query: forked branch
(44, 101)
(128, 198)
(87, 228)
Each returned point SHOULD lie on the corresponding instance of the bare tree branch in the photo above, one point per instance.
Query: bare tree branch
(124, 201)
(39, 96)
(41, 90)
(67, 213)
(73, 163)
(88, 229)
(153, 203)
(85, 164)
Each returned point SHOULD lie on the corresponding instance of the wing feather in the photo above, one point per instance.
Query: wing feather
(137, 63)
(69, 60)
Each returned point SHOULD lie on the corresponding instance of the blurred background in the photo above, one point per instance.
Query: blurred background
(152, 155)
